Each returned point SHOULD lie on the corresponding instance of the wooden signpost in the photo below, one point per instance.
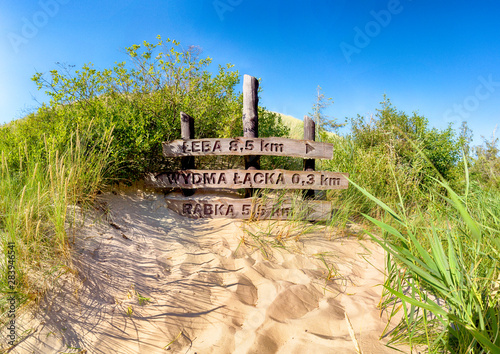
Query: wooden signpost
(248, 208)
(235, 179)
(309, 163)
(251, 122)
(251, 147)
(187, 133)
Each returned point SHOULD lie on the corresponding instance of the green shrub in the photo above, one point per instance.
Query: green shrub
(143, 101)
(392, 151)
(396, 133)
(486, 167)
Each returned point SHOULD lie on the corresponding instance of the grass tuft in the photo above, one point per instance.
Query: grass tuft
(34, 220)
(442, 270)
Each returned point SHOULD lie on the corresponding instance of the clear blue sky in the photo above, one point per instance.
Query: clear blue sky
(439, 58)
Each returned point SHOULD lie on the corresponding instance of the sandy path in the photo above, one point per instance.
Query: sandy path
(151, 277)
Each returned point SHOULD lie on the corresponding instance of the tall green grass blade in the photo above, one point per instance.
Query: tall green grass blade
(429, 305)
(481, 338)
(426, 258)
(466, 174)
(458, 205)
(455, 271)
(388, 228)
(412, 264)
(377, 201)
(441, 263)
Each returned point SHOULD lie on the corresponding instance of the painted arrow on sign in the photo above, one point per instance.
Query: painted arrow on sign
(249, 146)
(309, 149)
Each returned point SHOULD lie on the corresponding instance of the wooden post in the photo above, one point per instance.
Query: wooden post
(309, 164)
(250, 121)
(187, 132)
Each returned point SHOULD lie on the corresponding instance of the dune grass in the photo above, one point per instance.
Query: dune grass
(278, 232)
(34, 219)
(443, 270)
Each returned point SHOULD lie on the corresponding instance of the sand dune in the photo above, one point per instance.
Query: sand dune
(155, 282)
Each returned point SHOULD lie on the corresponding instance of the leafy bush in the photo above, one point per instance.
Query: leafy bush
(395, 157)
(143, 102)
(376, 170)
(486, 167)
(397, 133)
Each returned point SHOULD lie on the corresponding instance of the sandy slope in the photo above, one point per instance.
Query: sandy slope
(204, 296)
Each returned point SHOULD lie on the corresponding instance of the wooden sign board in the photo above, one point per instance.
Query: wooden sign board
(235, 179)
(249, 146)
(249, 208)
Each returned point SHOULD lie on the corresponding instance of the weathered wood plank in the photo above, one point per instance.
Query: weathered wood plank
(249, 208)
(187, 132)
(235, 179)
(249, 146)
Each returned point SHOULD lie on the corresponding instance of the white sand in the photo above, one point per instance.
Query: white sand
(203, 296)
